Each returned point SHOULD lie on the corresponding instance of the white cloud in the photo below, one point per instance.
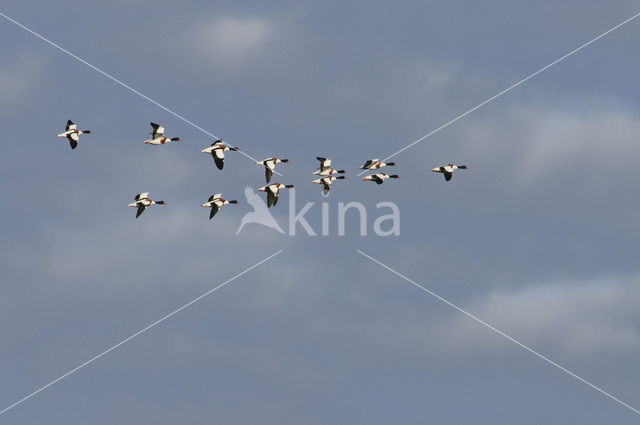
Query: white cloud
(233, 39)
(583, 134)
(578, 318)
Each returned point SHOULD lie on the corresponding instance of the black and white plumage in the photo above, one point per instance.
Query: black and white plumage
(273, 192)
(270, 166)
(325, 168)
(374, 164)
(215, 202)
(142, 201)
(217, 150)
(158, 137)
(326, 182)
(379, 178)
(72, 134)
(448, 169)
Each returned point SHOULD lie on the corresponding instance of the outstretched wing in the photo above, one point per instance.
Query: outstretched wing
(377, 179)
(268, 173)
(272, 198)
(158, 130)
(324, 163)
(141, 208)
(141, 195)
(73, 140)
(326, 184)
(218, 158)
(447, 175)
(69, 124)
(214, 210)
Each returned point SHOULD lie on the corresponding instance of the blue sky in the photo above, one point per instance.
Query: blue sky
(539, 238)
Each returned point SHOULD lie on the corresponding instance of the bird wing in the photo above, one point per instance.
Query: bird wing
(142, 195)
(141, 208)
(326, 184)
(447, 175)
(272, 197)
(158, 130)
(377, 179)
(218, 158)
(368, 163)
(73, 140)
(214, 210)
(268, 173)
(70, 125)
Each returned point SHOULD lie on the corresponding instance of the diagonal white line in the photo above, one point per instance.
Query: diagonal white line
(157, 322)
(480, 105)
(499, 332)
(114, 79)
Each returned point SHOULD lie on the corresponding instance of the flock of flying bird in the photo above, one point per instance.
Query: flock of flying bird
(217, 149)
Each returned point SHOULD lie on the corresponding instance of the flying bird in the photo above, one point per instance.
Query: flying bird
(273, 192)
(215, 202)
(270, 166)
(379, 178)
(448, 170)
(326, 183)
(325, 168)
(158, 137)
(373, 164)
(72, 133)
(142, 201)
(217, 150)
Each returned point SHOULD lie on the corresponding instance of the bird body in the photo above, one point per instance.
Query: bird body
(158, 137)
(325, 168)
(273, 192)
(379, 178)
(72, 134)
(215, 202)
(374, 164)
(217, 150)
(326, 182)
(448, 169)
(270, 166)
(142, 201)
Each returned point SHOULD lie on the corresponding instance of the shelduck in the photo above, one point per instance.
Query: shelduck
(326, 182)
(72, 133)
(273, 192)
(325, 168)
(270, 166)
(215, 202)
(158, 137)
(374, 164)
(448, 170)
(142, 201)
(379, 178)
(217, 150)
